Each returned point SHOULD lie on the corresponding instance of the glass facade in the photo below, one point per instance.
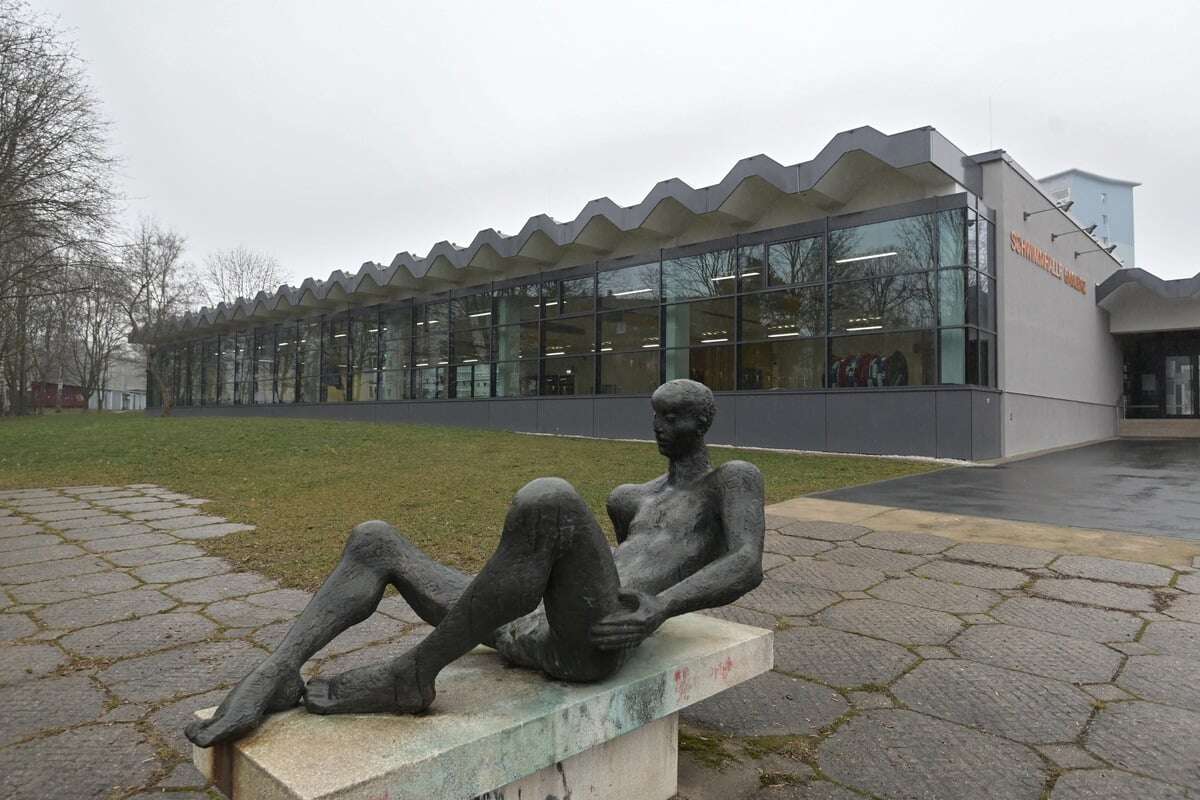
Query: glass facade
(899, 302)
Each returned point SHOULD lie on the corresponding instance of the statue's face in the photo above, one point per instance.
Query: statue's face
(677, 429)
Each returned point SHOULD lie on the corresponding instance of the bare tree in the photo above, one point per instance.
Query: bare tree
(95, 325)
(159, 290)
(238, 272)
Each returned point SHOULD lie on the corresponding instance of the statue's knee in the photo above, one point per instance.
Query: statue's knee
(367, 538)
(543, 493)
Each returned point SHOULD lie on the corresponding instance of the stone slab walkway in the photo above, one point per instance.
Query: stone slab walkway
(908, 665)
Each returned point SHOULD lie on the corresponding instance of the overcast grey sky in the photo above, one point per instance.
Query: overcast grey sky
(332, 133)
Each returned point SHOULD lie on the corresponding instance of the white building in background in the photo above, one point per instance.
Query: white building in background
(123, 387)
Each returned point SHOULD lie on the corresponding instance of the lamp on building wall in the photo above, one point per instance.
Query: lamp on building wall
(1064, 207)
(1108, 250)
(1088, 230)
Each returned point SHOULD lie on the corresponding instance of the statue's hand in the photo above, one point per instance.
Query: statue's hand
(640, 616)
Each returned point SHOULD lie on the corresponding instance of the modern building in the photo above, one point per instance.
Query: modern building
(1096, 200)
(892, 295)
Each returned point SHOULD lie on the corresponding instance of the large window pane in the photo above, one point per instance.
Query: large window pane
(712, 366)
(986, 235)
(197, 373)
(783, 314)
(799, 261)
(952, 295)
(472, 381)
(570, 336)
(471, 311)
(473, 346)
(883, 359)
(568, 375)
(516, 342)
(264, 366)
(954, 355)
(517, 304)
(431, 383)
(634, 329)
(285, 363)
(517, 379)
(981, 358)
(703, 322)
(395, 385)
(569, 296)
(628, 287)
(629, 373)
(952, 237)
(987, 301)
(894, 301)
(396, 322)
(883, 248)
(310, 361)
(228, 369)
(335, 360)
(752, 270)
(708, 274)
(212, 371)
(782, 364)
(364, 354)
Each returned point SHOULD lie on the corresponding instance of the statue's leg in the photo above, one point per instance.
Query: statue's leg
(375, 555)
(551, 547)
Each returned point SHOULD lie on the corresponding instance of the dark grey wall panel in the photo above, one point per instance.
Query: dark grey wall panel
(886, 422)
(987, 424)
(788, 421)
(624, 418)
(514, 415)
(953, 424)
(567, 415)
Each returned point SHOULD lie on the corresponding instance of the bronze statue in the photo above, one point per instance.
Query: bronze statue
(553, 597)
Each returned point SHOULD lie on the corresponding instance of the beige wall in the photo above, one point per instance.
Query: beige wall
(1060, 368)
(1137, 310)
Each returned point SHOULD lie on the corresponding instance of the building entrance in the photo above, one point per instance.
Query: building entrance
(1161, 375)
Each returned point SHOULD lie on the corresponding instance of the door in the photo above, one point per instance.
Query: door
(1180, 386)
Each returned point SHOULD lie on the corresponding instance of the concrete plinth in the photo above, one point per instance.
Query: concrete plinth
(494, 729)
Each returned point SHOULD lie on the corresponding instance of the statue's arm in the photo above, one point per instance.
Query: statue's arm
(622, 506)
(739, 570)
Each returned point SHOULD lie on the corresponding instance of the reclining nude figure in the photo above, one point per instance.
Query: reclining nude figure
(554, 597)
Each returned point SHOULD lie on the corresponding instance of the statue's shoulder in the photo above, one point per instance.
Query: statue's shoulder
(739, 476)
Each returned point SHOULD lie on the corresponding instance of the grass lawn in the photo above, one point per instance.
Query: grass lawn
(305, 484)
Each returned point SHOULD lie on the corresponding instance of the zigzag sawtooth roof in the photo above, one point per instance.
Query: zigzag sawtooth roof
(1175, 289)
(406, 271)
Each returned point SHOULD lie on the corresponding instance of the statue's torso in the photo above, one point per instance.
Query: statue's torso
(673, 533)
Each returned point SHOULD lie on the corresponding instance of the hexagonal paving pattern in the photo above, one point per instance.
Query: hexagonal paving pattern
(839, 659)
(1149, 739)
(937, 595)
(892, 621)
(1047, 654)
(1171, 679)
(1080, 622)
(769, 705)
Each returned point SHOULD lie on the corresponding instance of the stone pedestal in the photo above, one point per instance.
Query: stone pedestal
(495, 729)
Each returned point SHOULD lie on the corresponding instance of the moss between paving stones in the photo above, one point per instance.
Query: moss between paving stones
(305, 483)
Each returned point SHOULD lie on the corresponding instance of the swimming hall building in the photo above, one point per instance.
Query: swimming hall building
(892, 295)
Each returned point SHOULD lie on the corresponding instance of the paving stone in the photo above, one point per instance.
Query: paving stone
(827, 531)
(175, 571)
(240, 614)
(8, 521)
(115, 494)
(134, 637)
(89, 523)
(35, 707)
(774, 522)
(25, 542)
(1105, 784)
(166, 513)
(787, 599)
(1150, 739)
(745, 616)
(892, 621)
(15, 626)
(375, 629)
(73, 587)
(1014, 705)
(126, 712)
(170, 719)
(1110, 569)
(972, 575)
(769, 705)
(1185, 607)
(24, 662)
(14, 531)
(136, 505)
(1094, 593)
(212, 531)
(1174, 638)
(154, 555)
(184, 670)
(904, 542)
(816, 790)
(219, 587)
(1171, 680)
(1001, 555)
(840, 659)
(901, 754)
(1108, 692)
(135, 542)
(936, 595)
(794, 545)
(16, 494)
(855, 596)
(1069, 620)
(865, 701)
(934, 651)
(828, 575)
(395, 606)
(1154, 616)
(127, 528)
(1133, 649)
(772, 560)
(49, 570)
(371, 654)
(1189, 583)
(62, 516)
(33, 555)
(884, 560)
(97, 761)
(286, 599)
(1068, 756)
(49, 504)
(88, 611)
(1046, 654)
(184, 776)
(185, 521)
(194, 501)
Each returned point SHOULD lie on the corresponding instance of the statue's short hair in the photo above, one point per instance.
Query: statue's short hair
(687, 394)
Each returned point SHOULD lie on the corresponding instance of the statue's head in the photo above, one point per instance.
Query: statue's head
(683, 412)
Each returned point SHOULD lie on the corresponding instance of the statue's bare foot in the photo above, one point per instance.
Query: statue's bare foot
(389, 686)
(264, 690)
